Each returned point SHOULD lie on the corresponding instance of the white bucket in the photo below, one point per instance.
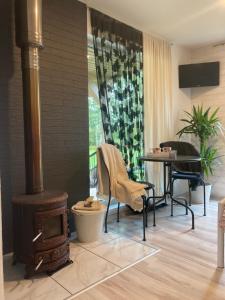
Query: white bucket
(197, 197)
(88, 224)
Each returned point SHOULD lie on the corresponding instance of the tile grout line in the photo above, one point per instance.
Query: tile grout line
(89, 250)
(61, 286)
(110, 276)
(103, 258)
(141, 242)
(120, 268)
(104, 242)
(159, 249)
(114, 240)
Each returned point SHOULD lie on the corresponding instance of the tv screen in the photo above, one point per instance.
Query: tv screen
(197, 75)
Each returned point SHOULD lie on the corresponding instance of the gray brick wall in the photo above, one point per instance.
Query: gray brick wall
(63, 83)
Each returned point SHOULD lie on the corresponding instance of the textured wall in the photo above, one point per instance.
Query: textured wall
(181, 101)
(63, 76)
(214, 97)
(1, 252)
(181, 97)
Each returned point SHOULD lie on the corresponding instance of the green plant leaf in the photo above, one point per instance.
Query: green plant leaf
(204, 125)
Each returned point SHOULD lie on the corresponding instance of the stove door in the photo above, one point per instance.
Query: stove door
(51, 228)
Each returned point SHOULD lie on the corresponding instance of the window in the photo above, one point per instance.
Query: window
(96, 135)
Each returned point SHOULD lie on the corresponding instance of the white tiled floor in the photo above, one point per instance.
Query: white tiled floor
(92, 262)
(122, 251)
(86, 270)
(40, 288)
(104, 239)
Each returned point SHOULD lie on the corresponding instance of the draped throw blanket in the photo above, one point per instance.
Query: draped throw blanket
(119, 69)
(158, 104)
(112, 171)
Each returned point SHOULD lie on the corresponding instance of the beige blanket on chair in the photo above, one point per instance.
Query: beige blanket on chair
(122, 188)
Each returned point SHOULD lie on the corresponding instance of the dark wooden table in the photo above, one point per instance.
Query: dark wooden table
(167, 164)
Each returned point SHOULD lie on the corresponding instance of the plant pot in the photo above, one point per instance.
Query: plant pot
(197, 197)
(89, 224)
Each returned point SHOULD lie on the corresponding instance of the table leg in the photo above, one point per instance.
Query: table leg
(144, 217)
(165, 187)
(164, 182)
(171, 190)
(176, 201)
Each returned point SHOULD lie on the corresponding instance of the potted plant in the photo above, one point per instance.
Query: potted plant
(204, 125)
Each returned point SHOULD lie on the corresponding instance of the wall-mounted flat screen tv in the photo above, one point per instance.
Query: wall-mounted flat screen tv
(197, 75)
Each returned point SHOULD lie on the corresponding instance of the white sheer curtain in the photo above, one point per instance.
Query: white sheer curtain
(158, 109)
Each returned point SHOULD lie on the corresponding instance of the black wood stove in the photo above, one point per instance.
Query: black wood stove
(40, 217)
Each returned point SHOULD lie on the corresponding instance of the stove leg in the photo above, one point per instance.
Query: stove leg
(28, 272)
(14, 260)
(67, 263)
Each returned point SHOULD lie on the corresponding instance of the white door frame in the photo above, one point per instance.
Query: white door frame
(220, 236)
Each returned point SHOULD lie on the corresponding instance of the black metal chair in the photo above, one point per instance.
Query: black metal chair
(186, 171)
(149, 186)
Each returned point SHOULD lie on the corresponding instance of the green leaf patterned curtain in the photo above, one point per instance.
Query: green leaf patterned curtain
(119, 69)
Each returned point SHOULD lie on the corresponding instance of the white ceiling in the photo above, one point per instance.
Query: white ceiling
(189, 23)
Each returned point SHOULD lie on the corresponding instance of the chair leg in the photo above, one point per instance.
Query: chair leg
(144, 218)
(146, 212)
(106, 215)
(186, 203)
(189, 192)
(204, 198)
(118, 212)
(171, 208)
(153, 193)
(172, 198)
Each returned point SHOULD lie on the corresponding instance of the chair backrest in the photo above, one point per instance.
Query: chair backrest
(111, 164)
(106, 179)
(184, 148)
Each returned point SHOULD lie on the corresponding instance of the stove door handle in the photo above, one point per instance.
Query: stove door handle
(39, 264)
(37, 236)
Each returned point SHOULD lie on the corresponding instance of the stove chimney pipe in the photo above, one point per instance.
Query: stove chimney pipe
(29, 39)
